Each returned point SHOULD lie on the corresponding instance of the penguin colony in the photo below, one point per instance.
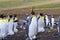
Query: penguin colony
(8, 25)
(36, 24)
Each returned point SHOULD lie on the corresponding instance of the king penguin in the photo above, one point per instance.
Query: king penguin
(3, 27)
(52, 22)
(6, 22)
(15, 23)
(33, 27)
(46, 20)
(41, 23)
(10, 26)
(58, 28)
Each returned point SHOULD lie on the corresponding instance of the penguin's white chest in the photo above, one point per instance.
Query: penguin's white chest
(10, 28)
(41, 25)
(33, 27)
(2, 29)
(47, 21)
(52, 21)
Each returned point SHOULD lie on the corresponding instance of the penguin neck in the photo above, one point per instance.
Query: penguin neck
(2, 18)
(10, 18)
(42, 17)
(6, 19)
(16, 18)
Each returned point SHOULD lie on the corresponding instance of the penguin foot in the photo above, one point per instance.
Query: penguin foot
(15, 30)
(3, 35)
(34, 37)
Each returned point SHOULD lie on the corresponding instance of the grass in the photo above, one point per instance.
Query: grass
(37, 4)
(48, 6)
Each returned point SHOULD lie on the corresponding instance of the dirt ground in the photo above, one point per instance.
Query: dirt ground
(20, 35)
(23, 11)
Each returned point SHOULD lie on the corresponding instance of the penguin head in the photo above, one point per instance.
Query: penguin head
(10, 16)
(1, 16)
(5, 16)
(33, 13)
(41, 14)
(14, 15)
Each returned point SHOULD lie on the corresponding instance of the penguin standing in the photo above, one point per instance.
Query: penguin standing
(6, 24)
(8, 18)
(28, 21)
(2, 27)
(41, 23)
(15, 23)
(58, 26)
(6, 21)
(33, 27)
(10, 26)
(46, 20)
(52, 22)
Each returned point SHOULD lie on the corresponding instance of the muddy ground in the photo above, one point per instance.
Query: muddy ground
(20, 35)
(23, 11)
(47, 35)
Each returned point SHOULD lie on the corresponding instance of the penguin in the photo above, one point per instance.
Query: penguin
(41, 23)
(46, 20)
(10, 26)
(6, 22)
(2, 27)
(58, 28)
(58, 25)
(33, 27)
(8, 19)
(52, 22)
(28, 20)
(15, 23)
